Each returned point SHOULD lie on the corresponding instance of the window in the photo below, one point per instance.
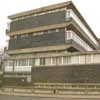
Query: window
(57, 30)
(53, 30)
(34, 34)
(25, 62)
(69, 59)
(24, 35)
(42, 61)
(64, 60)
(37, 62)
(68, 14)
(38, 33)
(82, 59)
(59, 61)
(44, 32)
(54, 60)
(48, 61)
(15, 37)
(33, 61)
(88, 59)
(49, 31)
(22, 65)
(30, 62)
(96, 58)
(74, 59)
(8, 66)
(68, 35)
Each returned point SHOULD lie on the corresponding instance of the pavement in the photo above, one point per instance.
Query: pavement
(29, 96)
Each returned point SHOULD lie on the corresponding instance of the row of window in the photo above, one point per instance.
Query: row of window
(42, 13)
(19, 62)
(37, 33)
(22, 65)
(17, 69)
(46, 32)
(84, 59)
(63, 60)
(72, 35)
(68, 35)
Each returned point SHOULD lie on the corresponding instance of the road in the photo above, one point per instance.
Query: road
(6, 97)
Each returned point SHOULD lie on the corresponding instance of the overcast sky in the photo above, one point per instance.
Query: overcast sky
(90, 9)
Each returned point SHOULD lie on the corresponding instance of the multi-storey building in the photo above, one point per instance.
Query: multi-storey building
(51, 45)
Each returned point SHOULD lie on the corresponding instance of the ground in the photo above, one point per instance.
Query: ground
(6, 97)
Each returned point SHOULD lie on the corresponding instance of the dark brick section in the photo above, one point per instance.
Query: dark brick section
(67, 74)
(38, 41)
(35, 21)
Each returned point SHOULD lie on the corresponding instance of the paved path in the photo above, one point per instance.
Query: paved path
(7, 97)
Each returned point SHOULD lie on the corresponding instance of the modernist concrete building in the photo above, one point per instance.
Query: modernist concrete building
(52, 47)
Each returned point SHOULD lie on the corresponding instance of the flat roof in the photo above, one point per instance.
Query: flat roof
(38, 10)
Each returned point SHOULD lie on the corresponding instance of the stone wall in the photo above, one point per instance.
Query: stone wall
(67, 74)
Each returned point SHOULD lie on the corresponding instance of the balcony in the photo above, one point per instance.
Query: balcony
(70, 35)
(71, 14)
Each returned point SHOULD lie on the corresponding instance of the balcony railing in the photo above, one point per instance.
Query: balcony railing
(70, 35)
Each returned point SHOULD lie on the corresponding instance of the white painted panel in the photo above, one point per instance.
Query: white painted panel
(96, 58)
(8, 69)
(88, 59)
(48, 61)
(74, 59)
(37, 62)
(82, 59)
(22, 68)
(65, 60)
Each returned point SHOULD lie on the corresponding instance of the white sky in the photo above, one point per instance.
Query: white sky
(90, 9)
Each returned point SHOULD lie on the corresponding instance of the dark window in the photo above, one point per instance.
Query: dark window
(42, 61)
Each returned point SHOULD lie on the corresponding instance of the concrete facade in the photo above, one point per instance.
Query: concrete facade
(52, 46)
